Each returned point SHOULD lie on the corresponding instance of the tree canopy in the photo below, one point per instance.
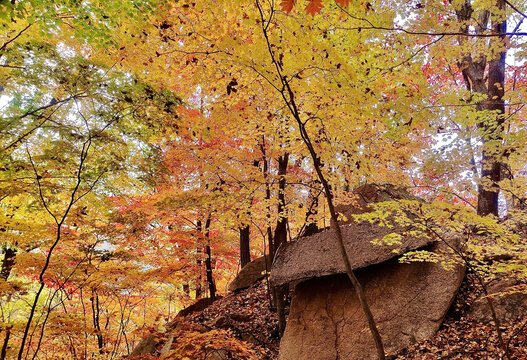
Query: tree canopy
(150, 148)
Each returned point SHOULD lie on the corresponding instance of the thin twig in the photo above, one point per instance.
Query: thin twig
(3, 47)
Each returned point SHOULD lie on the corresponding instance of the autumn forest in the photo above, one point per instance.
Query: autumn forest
(344, 153)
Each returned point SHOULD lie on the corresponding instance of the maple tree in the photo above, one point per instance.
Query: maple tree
(149, 149)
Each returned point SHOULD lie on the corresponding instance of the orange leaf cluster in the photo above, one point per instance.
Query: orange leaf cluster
(313, 7)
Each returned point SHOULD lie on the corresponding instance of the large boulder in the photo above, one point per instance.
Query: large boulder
(250, 273)
(318, 255)
(146, 346)
(408, 301)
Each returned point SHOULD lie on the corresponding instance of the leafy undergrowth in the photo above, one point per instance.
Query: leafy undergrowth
(247, 314)
(242, 326)
(465, 339)
(460, 337)
(194, 342)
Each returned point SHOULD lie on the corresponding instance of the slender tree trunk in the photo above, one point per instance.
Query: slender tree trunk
(245, 250)
(169, 307)
(279, 294)
(265, 170)
(96, 321)
(7, 263)
(280, 232)
(210, 279)
(198, 281)
(208, 261)
(198, 260)
(269, 259)
(280, 237)
(6, 342)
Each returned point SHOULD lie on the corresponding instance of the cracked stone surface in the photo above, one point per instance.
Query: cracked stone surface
(408, 301)
(250, 273)
(318, 255)
(315, 256)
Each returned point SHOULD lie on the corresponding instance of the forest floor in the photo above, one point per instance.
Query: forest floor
(461, 337)
(248, 316)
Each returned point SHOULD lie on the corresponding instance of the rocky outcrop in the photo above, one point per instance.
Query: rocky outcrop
(408, 301)
(509, 298)
(146, 346)
(250, 273)
(318, 255)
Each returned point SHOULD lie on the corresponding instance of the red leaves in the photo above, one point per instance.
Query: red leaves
(343, 3)
(287, 5)
(314, 7)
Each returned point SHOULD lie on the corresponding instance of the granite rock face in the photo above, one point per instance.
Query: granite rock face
(408, 302)
(318, 255)
(250, 273)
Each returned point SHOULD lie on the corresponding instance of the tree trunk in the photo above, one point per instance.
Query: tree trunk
(208, 262)
(6, 342)
(473, 71)
(265, 171)
(210, 279)
(245, 249)
(280, 237)
(491, 156)
(280, 232)
(198, 260)
(279, 294)
(96, 321)
(7, 263)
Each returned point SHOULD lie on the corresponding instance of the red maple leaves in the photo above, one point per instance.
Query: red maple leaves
(313, 7)
(287, 5)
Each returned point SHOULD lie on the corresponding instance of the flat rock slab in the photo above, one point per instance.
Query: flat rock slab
(318, 255)
(249, 274)
(408, 301)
